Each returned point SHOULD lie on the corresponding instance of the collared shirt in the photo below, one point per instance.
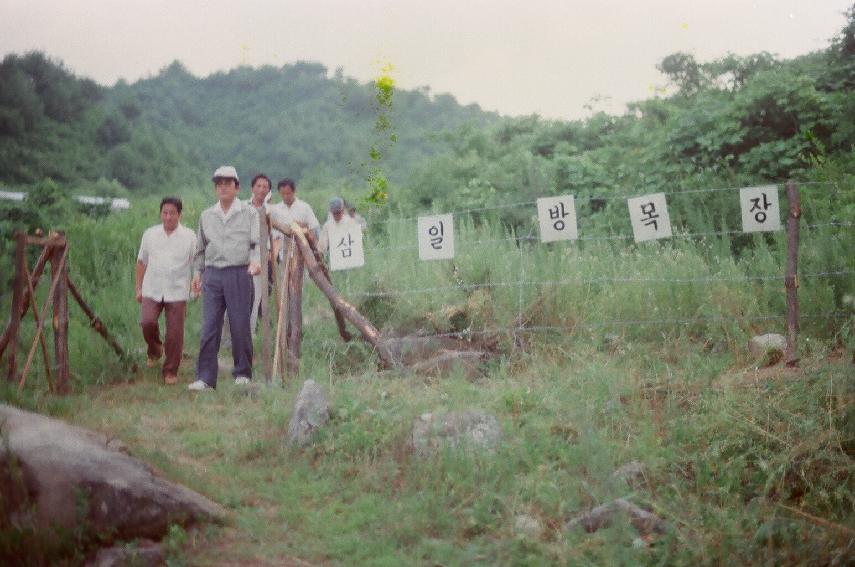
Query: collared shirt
(168, 260)
(299, 211)
(227, 238)
(324, 240)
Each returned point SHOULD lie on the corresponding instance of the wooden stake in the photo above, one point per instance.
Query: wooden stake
(41, 336)
(60, 319)
(57, 269)
(791, 280)
(265, 303)
(36, 275)
(17, 304)
(295, 311)
(283, 302)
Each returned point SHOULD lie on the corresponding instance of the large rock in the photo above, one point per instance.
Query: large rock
(469, 430)
(311, 412)
(57, 478)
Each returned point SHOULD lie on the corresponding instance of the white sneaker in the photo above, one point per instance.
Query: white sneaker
(241, 381)
(199, 385)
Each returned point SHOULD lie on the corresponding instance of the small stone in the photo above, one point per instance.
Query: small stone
(528, 526)
(311, 412)
(771, 345)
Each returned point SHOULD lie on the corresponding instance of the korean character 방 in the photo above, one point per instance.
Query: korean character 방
(557, 214)
(436, 233)
(649, 215)
(760, 215)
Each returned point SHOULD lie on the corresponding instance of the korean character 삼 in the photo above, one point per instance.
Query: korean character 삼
(345, 247)
(760, 215)
(557, 214)
(648, 210)
(436, 233)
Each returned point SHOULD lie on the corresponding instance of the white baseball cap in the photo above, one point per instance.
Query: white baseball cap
(226, 172)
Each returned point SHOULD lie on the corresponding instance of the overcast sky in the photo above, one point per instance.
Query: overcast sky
(549, 57)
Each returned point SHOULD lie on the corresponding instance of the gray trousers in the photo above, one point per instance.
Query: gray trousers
(224, 290)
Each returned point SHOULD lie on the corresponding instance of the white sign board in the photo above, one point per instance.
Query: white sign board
(557, 216)
(436, 237)
(760, 212)
(649, 216)
(346, 246)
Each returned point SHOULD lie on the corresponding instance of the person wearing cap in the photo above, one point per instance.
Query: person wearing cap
(291, 209)
(337, 216)
(227, 256)
(163, 270)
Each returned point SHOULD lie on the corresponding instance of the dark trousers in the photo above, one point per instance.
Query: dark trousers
(174, 339)
(225, 290)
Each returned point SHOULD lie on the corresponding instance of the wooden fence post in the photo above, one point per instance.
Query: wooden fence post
(265, 301)
(791, 280)
(295, 309)
(59, 268)
(17, 304)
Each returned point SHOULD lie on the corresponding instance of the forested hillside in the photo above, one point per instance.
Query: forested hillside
(172, 128)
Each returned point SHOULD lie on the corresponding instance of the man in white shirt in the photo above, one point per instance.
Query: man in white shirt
(260, 188)
(291, 209)
(163, 271)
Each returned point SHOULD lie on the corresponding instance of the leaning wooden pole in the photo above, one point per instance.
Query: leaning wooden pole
(791, 280)
(369, 333)
(283, 308)
(96, 323)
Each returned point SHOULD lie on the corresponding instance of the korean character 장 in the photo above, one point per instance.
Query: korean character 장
(760, 215)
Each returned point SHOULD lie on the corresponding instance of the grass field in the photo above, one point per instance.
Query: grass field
(748, 464)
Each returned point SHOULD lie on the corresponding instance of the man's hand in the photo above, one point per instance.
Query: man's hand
(254, 269)
(139, 295)
(196, 286)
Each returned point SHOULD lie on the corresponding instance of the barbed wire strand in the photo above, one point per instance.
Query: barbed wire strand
(469, 211)
(602, 280)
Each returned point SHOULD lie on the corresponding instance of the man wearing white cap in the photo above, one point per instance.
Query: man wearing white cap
(336, 217)
(227, 257)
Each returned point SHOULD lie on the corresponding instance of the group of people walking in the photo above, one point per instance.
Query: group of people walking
(221, 262)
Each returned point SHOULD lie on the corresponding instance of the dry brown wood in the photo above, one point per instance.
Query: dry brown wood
(57, 276)
(265, 302)
(36, 275)
(17, 305)
(350, 312)
(339, 316)
(54, 239)
(791, 281)
(283, 302)
(45, 355)
(294, 329)
(59, 269)
(96, 323)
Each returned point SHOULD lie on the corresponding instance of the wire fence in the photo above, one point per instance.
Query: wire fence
(844, 272)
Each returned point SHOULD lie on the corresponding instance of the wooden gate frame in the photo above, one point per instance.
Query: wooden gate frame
(54, 250)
